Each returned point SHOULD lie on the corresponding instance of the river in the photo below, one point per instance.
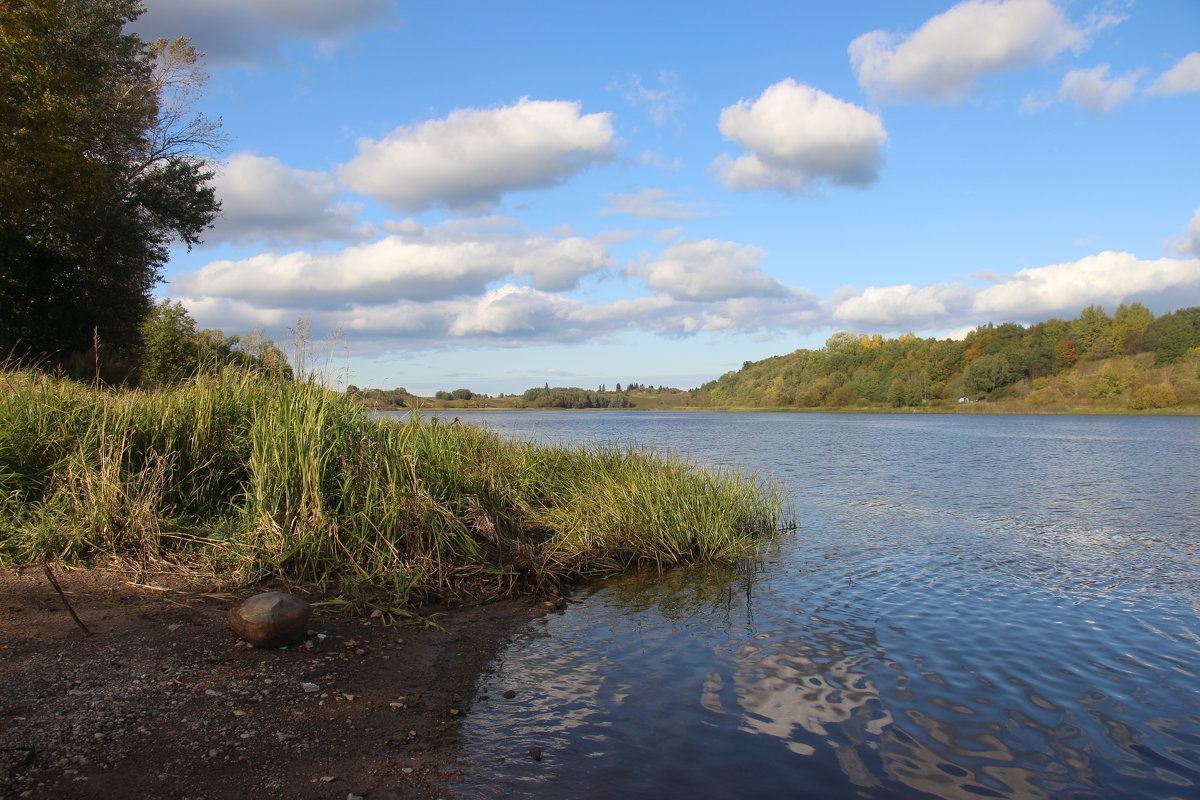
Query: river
(972, 606)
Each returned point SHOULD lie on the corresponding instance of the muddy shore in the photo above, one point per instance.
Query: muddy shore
(163, 700)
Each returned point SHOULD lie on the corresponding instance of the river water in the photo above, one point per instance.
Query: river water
(971, 607)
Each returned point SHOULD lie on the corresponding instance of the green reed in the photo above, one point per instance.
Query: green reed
(258, 478)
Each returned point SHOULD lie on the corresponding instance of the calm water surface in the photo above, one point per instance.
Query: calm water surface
(973, 606)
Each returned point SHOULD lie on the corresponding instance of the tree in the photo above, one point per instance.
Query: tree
(988, 373)
(100, 172)
(173, 350)
(1090, 328)
(1129, 328)
(1172, 335)
(170, 354)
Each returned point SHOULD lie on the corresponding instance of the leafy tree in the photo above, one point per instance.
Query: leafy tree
(100, 172)
(988, 373)
(1128, 332)
(170, 354)
(1172, 335)
(1089, 329)
(173, 350)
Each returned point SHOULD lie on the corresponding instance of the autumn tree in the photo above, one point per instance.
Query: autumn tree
(1128, 332)
(1090, 331)
(102, 168)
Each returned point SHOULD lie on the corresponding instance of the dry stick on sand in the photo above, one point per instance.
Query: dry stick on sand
(66, 602)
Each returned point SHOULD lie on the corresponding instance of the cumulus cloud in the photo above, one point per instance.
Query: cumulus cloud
(1190, 243)
(1182, 78)
(474, 156)
(662, 103)
(892, 307)
(1031, 295)
(264, 200)
(431, 265)
(251, 31)
(942, 60)
(799, 136)
(486, 281)
(651, 204)
(710, 270)
(1093, 90)
(1108, 278)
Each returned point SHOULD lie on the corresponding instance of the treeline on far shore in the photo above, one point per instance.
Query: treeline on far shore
(1131, 360)
(632, 395)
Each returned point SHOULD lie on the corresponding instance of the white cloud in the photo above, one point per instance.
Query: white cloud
(799, 136)
(474, 156)
(1093, 90)
(651, 204)
(942, 60)
(891, 307)
(435, 264)
(486, 281)
(512, 309)
(251, 31)
(1190, 243)
(661, 103)
(1028, 296)
(1182, 78)
(557, 266)
(710, 270)
(262, 199)
(1107, 278)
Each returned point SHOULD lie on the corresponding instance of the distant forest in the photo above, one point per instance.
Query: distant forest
(1095, 362)
(1131, 358)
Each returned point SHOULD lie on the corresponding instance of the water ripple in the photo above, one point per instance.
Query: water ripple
(973, 607)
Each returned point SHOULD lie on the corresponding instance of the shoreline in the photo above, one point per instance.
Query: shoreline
(973, 409)
(163, 700)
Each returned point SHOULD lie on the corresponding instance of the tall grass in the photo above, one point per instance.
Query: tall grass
(259, 478)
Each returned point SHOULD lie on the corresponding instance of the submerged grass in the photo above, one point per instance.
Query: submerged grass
(256, 478)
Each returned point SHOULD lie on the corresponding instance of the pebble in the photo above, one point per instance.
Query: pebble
(509, 694)
(535, 753)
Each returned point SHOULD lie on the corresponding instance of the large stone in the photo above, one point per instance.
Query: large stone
(271, 619)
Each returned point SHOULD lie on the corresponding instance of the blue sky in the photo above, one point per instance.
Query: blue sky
(494, 195)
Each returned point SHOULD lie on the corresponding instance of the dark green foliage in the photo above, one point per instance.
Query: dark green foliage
(98, 174)
(573, 397)
(1172, 335)
(383, 398)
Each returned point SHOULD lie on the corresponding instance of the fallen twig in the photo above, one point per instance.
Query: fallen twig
(66, 602)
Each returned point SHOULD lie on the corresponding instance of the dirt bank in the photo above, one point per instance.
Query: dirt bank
(164, 701)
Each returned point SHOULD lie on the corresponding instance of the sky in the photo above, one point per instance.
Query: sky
(496, 195)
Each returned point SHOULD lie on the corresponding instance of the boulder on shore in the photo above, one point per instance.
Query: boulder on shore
(271, 619)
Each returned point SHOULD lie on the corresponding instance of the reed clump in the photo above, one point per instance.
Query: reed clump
(257, 478)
